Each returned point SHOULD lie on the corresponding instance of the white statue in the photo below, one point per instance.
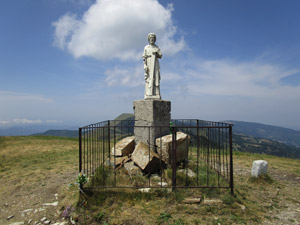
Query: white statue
(152, 70)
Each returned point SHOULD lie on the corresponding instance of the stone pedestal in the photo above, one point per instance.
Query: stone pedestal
(152, 120)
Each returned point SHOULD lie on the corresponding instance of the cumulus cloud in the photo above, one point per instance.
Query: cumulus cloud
(239, 79)
(117, 29)
(131, 76)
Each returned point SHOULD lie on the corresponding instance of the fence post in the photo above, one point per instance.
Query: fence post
(80, 152)
(108, 137)
(173, 159)
(231, 160)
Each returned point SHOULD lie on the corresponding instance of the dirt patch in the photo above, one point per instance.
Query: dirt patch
(28, 202)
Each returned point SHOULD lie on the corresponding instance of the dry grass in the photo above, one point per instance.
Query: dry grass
(27, 162)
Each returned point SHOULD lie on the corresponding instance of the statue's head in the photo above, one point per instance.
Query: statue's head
(151, 38)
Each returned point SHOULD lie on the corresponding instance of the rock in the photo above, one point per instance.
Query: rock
(208, 201)
(56, 196)
(27, 211)
(241, 206)
(47, 222)
(163, 184)
(72, 221)
(29, 221)
(132, 169)
(116, 161)
(123, 147)
(189, 172)
(145, 158)
(10, 217)
(259, 167)
(146, 190)
(164, 147)
(43, 219)
(17, 223)
(192, 200)
(51, 204)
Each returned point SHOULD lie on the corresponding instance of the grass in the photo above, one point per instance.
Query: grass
(29, 159)
(32, 160)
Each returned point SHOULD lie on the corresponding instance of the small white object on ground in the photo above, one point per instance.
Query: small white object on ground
(51, 204)
(259, 167)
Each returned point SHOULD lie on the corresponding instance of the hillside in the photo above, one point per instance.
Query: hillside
(59, 133)
(39, 174)
(275, 133)
(247, 137)
(244, 143)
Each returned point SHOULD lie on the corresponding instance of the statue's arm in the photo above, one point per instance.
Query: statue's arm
(145, 63)
(159, 53)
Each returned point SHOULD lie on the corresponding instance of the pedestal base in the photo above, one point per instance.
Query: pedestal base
(152, 120)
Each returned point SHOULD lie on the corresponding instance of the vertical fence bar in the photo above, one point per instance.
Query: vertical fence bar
(149, 145)
(219, 155)
(208, 158)
(108, 138)
(84, 164)
(197, 152)
(173, 159)
(80, 151)
(231, 160)
(115, 173)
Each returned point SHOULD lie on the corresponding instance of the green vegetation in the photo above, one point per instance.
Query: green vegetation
(27, 162)
(245, 143)
(275, 133)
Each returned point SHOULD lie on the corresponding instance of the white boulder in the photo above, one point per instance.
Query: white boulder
(259, 167)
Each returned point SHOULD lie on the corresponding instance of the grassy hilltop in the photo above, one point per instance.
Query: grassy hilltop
(35, 169)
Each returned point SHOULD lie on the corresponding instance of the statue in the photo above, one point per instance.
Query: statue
(151, 67)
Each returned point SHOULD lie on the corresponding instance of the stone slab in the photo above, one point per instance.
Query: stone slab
(164, 147)
(145, 158)
(123, 147)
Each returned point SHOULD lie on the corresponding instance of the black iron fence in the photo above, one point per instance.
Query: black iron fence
(203, 161)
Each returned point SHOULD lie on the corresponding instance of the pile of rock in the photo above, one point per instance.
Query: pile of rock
(141, 157)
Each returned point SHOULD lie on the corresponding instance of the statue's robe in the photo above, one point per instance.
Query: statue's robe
(153, 74)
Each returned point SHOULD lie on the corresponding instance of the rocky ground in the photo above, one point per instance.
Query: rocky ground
(36, 203)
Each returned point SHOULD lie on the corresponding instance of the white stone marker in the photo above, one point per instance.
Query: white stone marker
(259, 167)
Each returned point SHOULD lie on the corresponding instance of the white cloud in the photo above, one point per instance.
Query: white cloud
(239, 79)
(131, 77)
(7, 96)
(26, 121)
(117, 29)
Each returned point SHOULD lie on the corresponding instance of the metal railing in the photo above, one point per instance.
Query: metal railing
(208, 162)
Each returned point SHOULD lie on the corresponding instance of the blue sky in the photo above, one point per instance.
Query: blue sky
(74, 62)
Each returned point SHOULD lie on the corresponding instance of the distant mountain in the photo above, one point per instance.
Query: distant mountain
(24, 130)
(59, 133)
(275, 133)
(125, 116)
(244, 143)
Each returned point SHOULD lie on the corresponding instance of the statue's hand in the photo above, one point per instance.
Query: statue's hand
(145, 69)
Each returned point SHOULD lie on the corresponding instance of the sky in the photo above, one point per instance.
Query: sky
(77, 62)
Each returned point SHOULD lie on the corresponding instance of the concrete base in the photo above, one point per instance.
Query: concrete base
(152, 120)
